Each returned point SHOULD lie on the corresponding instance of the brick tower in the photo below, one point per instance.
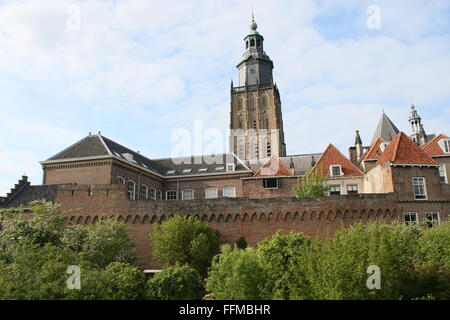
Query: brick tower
(256, 121)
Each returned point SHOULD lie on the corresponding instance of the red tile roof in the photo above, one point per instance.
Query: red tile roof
(402, 150)
(374, 151)
(274, 168)
(332, 156)
(432, 147)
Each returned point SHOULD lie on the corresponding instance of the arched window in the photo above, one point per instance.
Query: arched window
(120, 180)
(246, 45)
(187, 194)
(159, 196)
(263, 101)
(171, 195)
(240, 104)
(258, 43)
(252, 43)
(240, 122)
(251, 103)
(152, 193)
(131, 190)
(144, 192)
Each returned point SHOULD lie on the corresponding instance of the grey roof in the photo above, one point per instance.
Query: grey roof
(301, 163)
(31, 193)
(98, 145)
(386, 129)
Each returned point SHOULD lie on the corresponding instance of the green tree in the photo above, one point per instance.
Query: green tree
(241, 243)
(435, 246)
(176, 283)
(283, 257)
(185, 241)
(238, 274)
(108, 241)
(310, 185)
(75, 237)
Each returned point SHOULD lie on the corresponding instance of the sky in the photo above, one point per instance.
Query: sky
(141, 71)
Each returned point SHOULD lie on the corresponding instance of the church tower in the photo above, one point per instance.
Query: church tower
(418, 132)
(255, 119)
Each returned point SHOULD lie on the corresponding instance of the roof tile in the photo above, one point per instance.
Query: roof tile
(332, 156)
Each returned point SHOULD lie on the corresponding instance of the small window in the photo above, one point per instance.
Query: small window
(419, 188)
(335, 190)
(144, 192)
(202, 169)
(187, 170)
(442, 176)
(120, 180)
(187, 194)
(432, 219)
(336, 171)
(230, 167)
(171, 172)
(159, 196)
(211, 193)
(229, 192)
(446, 146)
(131, 190)
(152, 193)
(410, 218)
(352, 189)
(220, 168)
(171, 195)
(271, 183)
(252, 42)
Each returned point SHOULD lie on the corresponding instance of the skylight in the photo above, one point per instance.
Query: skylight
(203, 169)
(187, 170)
(171, 172)
(220, 168)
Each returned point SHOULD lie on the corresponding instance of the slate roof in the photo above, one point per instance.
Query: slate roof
(432, 147)
(31, 193)
(402, 150)
(332, 156)
(386, 129)
(98, 146)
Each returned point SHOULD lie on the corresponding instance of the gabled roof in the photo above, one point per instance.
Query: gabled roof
(374, 151)
(432, 147)
(332, 156)
(402, 150)
(274, 168)
(386, 129)
(99, 146)
(300, 164)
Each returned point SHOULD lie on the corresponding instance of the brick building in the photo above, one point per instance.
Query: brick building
(248, 192)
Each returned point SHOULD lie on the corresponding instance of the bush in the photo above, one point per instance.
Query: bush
(238, 274)
(241, 243)
(182, 241)
(176, 283)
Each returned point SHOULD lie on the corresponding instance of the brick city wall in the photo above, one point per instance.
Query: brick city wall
(254, 219)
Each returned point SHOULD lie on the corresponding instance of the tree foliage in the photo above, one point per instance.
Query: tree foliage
(185, 241)
(310, 185)
(176, 283)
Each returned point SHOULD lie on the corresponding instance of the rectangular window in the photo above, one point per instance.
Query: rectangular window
(211, 193)
(410, 218)
(432, 219)
(187, 194)
(336, 171)
(271, 183)
(447, 146)
(152, 194)
(419, 188)
(335, 190)
(352, 189)
(230, 167)
(442, 176)
(229, 192)
(171, 195)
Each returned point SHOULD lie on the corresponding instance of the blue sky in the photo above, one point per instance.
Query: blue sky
(140, 70)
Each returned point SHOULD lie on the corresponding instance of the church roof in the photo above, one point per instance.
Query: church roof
(374, 151)
(97, 146)
(432, 147)
(332, 156)
(402, 150)
(386, 129)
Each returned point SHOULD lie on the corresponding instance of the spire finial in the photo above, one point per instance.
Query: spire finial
(253, 25)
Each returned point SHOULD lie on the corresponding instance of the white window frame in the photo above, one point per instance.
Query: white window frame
(229, 188)
(424, 189)
(216, 193)
(150, 193)
(230, 167)
(442, 173)
(410, 213)
(340, 170)
(445, 145)
(352, 185)
(186, 190)
(336, 186)
(434, 222)
(119, 179)
(144, 187)
(167, 194)
(131, 194)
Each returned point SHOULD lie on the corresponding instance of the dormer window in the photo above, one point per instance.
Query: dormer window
(446, 144)
(128, 156)
(202, 169)
(220, 168)
(171, 172)
(230, 167)
(336, 171)
(187, 170)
